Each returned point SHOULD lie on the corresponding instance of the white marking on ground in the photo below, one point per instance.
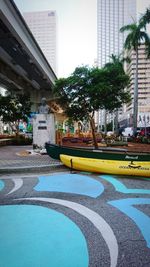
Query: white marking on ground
(17, 184)
(102, 226)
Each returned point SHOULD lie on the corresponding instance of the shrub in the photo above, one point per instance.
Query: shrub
(21, 140)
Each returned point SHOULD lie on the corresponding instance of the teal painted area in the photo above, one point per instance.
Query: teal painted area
(35, 236)
(141, 220)
(86, 172)
(70, 183)
(120, 187)
(1, 185)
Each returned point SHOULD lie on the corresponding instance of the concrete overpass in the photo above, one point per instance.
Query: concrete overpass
(23, 66)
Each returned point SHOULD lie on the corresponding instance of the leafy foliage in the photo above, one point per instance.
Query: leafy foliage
(136, 37)
(14, 108)
(89, 89)
(145, 19)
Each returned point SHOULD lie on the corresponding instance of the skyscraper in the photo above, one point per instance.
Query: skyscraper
(111, 16)
(43, 26)
(143, 88)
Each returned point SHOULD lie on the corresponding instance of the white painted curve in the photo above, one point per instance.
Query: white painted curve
(17, 184)
(102, 226)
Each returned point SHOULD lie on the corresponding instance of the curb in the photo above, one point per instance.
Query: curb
(53, 167)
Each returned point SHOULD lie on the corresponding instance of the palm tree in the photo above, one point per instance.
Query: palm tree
(134, 39)
(118, 60)
(145, 19)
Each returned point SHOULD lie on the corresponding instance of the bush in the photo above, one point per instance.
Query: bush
(21, 140)
(140, 139)
(145, 140)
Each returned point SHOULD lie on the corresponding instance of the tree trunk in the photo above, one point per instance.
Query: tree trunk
(92, 123)
(116, 122)
(105, 121)
(17, 128)
(135, 104)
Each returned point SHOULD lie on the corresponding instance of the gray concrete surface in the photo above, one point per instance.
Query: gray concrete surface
(113, 238)
(115, 223)
(17, 159)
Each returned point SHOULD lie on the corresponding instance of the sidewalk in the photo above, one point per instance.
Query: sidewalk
(18, 159)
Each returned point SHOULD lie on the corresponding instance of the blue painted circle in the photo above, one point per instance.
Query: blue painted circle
(37, 236)
(70, 183)
(1, 185)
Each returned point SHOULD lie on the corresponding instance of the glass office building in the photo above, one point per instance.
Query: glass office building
(111, 16)
(43, 26)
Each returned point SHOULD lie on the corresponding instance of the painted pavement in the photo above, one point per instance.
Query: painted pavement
(74, 220)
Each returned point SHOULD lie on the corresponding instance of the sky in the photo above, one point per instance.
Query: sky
(76, 29)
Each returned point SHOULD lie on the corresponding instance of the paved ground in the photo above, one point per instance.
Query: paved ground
(57, 218)
(19, 159)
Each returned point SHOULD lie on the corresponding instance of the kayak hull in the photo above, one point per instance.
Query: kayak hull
(54, 151)
(107, 166)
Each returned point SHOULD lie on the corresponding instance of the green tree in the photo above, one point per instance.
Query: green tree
(14, 108)
(89, 89)
(118, 61)
(145, 19)
(134, 39)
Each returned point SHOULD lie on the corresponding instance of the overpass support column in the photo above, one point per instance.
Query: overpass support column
(35, 97)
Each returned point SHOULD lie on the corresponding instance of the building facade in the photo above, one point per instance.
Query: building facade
(111, 16)
(143, 88)
(43, 26)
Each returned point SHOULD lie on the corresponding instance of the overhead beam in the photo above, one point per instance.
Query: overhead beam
(18, 27)
(12, 76)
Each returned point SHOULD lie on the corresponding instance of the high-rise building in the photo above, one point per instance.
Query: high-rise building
(111, 16)
(143, 88)
(43, 26)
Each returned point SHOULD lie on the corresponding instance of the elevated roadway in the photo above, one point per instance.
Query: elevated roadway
(23, 66)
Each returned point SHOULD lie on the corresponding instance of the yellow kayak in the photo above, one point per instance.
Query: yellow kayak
(107, 166)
